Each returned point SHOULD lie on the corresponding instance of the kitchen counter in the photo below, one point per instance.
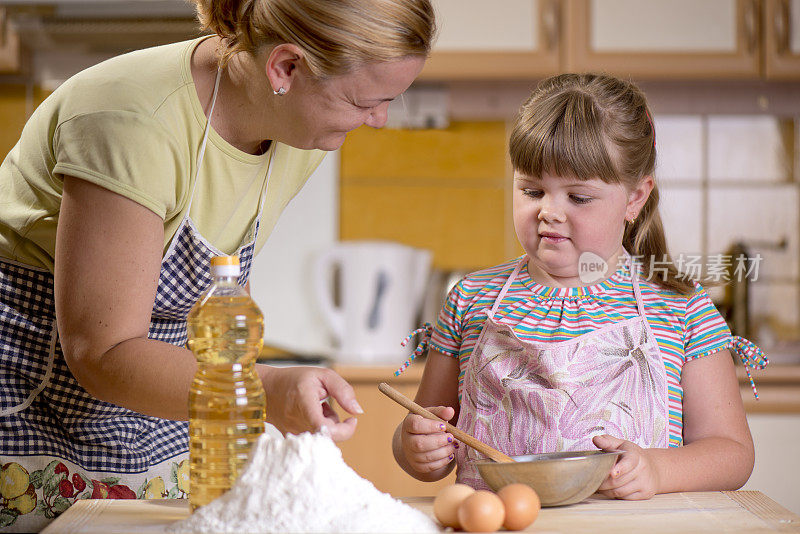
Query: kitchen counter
(729, 511)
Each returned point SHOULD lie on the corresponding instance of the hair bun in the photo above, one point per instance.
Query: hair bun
(334, 35)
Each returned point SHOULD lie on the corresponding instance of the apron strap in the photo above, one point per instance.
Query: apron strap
(636, 290)
(273, 149)
(507, 285)
(201, 153)
(202, 150)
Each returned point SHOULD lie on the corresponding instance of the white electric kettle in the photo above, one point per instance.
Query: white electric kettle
(381, 287)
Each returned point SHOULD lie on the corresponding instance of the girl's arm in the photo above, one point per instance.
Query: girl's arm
(718, 449)
(420, 446)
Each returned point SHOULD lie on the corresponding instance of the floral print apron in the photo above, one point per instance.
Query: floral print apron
(59, 444)
(526, 397)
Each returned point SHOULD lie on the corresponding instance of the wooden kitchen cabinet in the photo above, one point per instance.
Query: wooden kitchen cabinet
(644, 39)
(494, 40)
(774, 421)
(369, 451)
(9, 46)
(660, 39)
(444, 190)
(782, 39)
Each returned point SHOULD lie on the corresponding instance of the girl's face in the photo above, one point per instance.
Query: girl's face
(324, 111)
(557, 219)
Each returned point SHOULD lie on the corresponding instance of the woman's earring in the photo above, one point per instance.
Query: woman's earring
(279, 92)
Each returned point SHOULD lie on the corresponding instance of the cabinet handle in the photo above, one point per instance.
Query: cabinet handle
(751, 25)
(781, 25)
(550, 19)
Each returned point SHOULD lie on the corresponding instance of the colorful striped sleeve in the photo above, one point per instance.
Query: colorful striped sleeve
(705, 331)
(446, 337)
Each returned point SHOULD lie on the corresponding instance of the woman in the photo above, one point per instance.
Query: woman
(123, 184)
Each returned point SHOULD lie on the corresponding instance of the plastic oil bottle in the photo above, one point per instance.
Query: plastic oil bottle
(227, 404)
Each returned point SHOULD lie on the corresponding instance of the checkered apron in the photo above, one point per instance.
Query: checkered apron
(65, 443)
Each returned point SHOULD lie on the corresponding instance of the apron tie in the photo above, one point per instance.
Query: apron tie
(426, 331)
(752, 357)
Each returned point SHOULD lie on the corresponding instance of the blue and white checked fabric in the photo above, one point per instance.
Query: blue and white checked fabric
(45, 411)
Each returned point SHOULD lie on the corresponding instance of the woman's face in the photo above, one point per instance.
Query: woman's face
(558, 219)
(322, 112)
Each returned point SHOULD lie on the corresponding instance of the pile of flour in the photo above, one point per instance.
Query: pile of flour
(301, 484)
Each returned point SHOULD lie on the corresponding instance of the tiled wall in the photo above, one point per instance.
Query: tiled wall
(728, 178)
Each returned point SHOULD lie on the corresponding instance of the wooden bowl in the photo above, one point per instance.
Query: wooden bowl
(559, 478)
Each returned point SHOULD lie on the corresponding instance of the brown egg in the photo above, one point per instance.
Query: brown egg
(447, 501)
(481, 512)
(522, 505)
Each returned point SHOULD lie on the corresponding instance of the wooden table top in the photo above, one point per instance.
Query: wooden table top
(713, 511)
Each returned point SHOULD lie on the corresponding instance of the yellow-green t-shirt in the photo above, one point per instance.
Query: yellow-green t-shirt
(134, 125)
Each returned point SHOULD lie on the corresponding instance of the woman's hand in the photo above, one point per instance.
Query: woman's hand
(426, 445)
(634, 476)
(296, 400)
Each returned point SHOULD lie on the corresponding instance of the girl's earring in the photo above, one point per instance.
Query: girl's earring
(632, 219)
(280, 92)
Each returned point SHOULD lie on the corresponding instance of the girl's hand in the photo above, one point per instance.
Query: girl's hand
(425, 443)
(634, 476)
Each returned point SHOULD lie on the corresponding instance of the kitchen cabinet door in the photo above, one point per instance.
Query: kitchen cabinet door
(445, 190)
(9, 46)
(782, 39)
(494, 40)
(775, 436)
(661, 39)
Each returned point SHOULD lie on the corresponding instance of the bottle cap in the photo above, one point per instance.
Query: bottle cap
(225, 266)
(225, 260)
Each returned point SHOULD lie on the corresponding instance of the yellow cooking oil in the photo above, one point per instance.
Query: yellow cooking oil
(227, 404)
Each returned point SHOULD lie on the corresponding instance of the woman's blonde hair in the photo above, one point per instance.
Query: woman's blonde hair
(595, 126)
(336, 35)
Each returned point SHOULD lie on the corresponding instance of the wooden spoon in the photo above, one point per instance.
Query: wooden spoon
(460, 435)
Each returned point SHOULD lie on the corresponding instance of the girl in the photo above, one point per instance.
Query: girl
(535, 356)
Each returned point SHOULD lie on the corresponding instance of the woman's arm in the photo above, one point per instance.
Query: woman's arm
(421, 448)
(108, 260)
(107, 264)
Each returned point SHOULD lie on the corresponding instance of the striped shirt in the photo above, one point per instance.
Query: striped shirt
(685, 326)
